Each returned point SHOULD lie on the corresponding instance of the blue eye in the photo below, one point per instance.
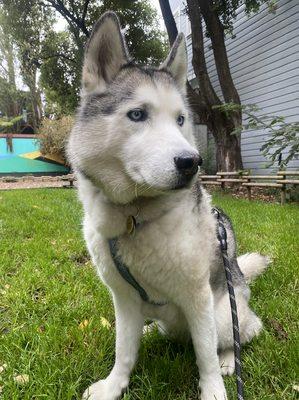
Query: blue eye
(137, 115)
(180, 120)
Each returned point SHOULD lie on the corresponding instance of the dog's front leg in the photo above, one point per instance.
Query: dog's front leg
(129, 324)
(199, 312)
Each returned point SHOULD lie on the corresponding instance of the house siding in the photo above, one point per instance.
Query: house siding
(264, 62)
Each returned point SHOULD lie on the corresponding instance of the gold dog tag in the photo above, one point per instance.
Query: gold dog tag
(131, 224)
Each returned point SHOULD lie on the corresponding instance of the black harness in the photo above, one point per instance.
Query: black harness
(222, 238)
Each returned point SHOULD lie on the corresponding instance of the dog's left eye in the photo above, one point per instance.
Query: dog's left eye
(180, 120)
(137, 115)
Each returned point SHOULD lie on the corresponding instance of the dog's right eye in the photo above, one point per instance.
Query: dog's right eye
(137, 115)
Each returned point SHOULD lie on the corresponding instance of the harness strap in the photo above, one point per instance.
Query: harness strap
(222, 238)
(126, 274)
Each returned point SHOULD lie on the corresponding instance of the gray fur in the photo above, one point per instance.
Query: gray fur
(120, 90)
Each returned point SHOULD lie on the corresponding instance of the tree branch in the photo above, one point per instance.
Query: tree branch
(195, 99)
(72, 20)
(198, 59)
(85, 8)
(216, 32)
(169, 21)
(57, 55)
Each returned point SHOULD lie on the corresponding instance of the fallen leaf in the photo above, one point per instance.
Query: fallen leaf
(35, 206)
(3, 368)
(41, 328)
(296, 388)
(21, 379)
(7, 286)
(105, 323)
(83, 324)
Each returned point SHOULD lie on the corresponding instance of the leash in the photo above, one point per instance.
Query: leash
(222, 238)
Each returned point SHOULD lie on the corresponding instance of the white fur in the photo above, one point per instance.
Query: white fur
(128, 169)
(252, 265)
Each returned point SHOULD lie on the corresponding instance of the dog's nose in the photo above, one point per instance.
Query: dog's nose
(188, 164)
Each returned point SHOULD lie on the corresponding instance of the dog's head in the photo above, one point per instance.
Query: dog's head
(133, 134)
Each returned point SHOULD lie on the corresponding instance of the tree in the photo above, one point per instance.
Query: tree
(218, 17)
(60, 73)
(59, 55)
(137, 16)
(26, 23)
(8, 87)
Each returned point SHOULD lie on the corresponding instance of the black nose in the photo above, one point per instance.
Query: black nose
(188, 164)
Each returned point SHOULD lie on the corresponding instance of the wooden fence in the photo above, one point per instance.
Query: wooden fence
(281, 181)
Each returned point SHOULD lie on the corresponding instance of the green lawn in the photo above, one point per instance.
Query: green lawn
(51, 303)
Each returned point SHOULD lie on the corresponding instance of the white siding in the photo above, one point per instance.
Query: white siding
(264, 61)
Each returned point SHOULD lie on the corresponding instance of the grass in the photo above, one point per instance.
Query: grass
(51, 303)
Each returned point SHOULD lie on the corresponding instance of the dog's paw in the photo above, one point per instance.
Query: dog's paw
(100, 390)
(227, 362)
(213, 389)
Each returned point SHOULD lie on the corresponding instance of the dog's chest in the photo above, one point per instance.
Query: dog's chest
(171, 253)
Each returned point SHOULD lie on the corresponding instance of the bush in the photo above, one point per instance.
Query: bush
(53, 136)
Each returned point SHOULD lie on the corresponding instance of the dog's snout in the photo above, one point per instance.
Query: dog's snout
(188, 164)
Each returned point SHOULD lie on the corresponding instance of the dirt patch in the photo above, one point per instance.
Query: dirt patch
(33, 182)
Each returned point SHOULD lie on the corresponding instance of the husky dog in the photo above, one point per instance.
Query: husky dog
(134, 154)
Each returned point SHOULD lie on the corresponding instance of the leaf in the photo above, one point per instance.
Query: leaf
(83, 324)
(3, 368)
(105, 323)
(296, 388)
(21, 379)
(278, 329)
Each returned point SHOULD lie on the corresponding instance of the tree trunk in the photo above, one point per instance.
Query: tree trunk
(228, 152)
(228, 149)
(35, 98)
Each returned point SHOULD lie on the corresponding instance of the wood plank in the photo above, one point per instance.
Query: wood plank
(290, 181)
(273, 177)
(288, 173)
(233, 173)
(231, 180)
(210, 183)
(208, 176)
(276, 185)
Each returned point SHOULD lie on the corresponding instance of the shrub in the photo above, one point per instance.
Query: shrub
(53, 136)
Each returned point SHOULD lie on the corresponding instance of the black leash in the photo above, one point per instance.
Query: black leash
(222, 237)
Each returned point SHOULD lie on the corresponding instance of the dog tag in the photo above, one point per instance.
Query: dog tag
(131, 224)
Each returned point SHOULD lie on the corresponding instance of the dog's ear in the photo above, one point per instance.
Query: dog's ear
(106, 51)
(176, 62)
